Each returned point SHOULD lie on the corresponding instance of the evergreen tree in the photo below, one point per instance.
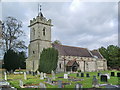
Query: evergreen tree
(11, 60)
(48, 60)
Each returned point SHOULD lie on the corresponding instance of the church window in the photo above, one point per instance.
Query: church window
(44, 31)
(60, 65)
(33, 52)
(33, 31)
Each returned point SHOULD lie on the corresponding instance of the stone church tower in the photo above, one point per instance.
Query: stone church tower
(40, 38)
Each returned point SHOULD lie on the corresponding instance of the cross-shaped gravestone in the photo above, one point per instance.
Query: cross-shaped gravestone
(5, 76)
(25, 76)
(41, 75)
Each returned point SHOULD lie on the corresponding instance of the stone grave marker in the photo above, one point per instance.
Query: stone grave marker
(113, 74)
(38, 73)
(77, 75)
(45, 75)
(99, 74)
(59, 84)
(41, 75)
(95, 82)
(103, 78)
(78, 86)
(53, 75)
(42, 85)
(5, 76)
(20, 83)
(118, 74)
(82, 74)
(49, 80)
(25, 76)
(108, 76)
(65, 76)
(87, 75)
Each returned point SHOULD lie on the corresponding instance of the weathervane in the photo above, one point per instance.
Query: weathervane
(39, 9)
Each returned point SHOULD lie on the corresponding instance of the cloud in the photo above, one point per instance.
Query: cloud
(84, 24)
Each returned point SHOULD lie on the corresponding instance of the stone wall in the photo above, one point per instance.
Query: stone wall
(85, 63)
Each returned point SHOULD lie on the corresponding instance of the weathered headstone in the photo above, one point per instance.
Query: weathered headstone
(95, 82)
(45, 75)
(65, 76)
(77, 75)
(103, 78)
(78, 86)
(41, 75)
(38, 73)
(42, 85)
(25, 76)
(5, 76)
(99, 74)
(82, 74)
(20, 83)
(118, 74)
(53, 75)
(113, 74)
(49, 80)
(59, 84)
(87, 75)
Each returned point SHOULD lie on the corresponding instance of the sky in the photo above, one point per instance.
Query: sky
(81, 24)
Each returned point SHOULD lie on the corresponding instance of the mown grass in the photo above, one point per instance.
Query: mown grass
(87, 82)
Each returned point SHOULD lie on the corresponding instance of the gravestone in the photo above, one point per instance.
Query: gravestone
(59, 84)
(113, 74)
(87, 75)
(49, 80)
(118, 74)
(99, 74)
(25, 77)
(77, 75)
(45, 75)
(82, 74)
(65, 76)
(95, 82)
(20, 83)
(78, 86)
(42, 85)
(38, 73)
(103, 78)
(5, 76)
(53, 75)
(41, 75)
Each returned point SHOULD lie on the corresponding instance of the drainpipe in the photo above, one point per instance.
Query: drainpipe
(84, 66)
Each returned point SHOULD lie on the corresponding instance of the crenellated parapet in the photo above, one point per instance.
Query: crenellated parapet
(40, 19)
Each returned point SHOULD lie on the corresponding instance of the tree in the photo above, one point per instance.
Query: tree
(57, 42)
(48, 60)
(112, 55)
(22, 58)
(11, 33)
(11, 60)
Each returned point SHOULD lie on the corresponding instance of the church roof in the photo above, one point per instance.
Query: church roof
(96, 53)
(72, 51)
(72, 62)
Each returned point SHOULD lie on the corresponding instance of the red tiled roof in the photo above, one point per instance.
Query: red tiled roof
(71, 62)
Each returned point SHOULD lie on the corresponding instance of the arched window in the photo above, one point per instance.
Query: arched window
(44, 31)
(60, 65)
(33, 31)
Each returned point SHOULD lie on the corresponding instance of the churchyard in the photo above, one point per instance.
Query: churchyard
(22, 79)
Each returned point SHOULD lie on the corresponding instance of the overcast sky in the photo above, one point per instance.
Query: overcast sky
(82, 24)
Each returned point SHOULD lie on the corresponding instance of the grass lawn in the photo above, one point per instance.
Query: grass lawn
(87, 82)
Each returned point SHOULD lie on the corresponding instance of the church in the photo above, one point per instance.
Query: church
(70, 58)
